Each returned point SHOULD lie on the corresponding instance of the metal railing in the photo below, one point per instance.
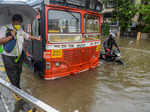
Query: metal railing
(25, 96)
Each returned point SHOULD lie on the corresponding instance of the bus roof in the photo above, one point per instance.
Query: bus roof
(94, 5)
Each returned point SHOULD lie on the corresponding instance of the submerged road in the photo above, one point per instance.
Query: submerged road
(108, 88)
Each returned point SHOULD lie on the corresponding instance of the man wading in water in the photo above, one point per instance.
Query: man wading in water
(12, 39)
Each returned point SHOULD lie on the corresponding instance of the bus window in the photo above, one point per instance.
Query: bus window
(91, 23)
(66, 24)
(92, 27)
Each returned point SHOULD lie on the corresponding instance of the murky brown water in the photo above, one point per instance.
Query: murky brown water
(109, 88)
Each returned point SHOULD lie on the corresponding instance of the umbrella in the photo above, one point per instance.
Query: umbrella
(10, 8)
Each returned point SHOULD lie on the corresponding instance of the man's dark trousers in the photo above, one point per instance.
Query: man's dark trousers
(13, 69)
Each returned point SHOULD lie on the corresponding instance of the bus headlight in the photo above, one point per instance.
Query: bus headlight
(57, 64)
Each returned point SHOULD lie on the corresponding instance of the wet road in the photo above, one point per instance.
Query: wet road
(108, 88)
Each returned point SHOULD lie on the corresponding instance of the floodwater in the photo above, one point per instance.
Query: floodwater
(108, 88)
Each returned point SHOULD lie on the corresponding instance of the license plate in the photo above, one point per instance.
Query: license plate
(57, 53)
(98, 48)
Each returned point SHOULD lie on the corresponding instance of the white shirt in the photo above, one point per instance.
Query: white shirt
(21, 36)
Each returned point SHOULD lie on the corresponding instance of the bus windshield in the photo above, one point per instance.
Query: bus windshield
(65, 24)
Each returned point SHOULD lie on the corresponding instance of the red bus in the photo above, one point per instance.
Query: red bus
(70, 32)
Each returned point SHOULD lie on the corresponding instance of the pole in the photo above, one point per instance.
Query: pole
(138, 36)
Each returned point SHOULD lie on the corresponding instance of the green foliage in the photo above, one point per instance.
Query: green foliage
(145, 16)
(124, 11)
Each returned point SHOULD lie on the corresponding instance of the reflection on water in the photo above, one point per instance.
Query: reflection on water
(109, 88)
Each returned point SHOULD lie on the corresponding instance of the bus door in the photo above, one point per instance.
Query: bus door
(36, 45)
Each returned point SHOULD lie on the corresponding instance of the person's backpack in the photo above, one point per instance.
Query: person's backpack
(10, 45)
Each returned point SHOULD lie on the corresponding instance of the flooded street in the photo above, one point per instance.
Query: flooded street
(108, 88)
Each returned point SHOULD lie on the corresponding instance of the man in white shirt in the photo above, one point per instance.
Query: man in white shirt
(13, 60)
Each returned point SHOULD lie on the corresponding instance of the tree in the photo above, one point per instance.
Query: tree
(145, 16)
(124, 11)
